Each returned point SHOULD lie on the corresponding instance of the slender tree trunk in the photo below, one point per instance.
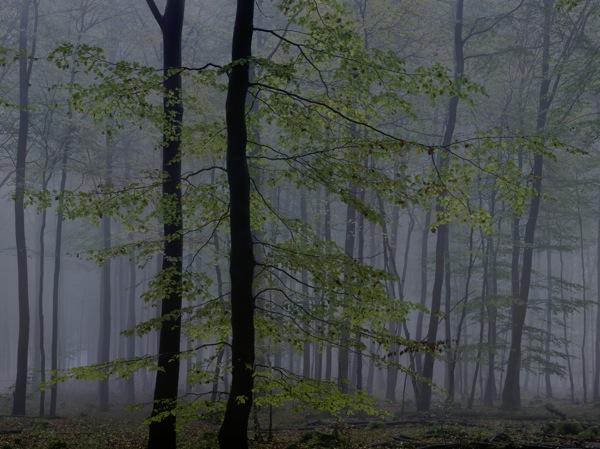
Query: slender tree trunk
(596, 387)
(40, 300)
(105, 292)
(234, 429)
(162, 432)
(344, 349)
(511, 394)
(360, 231)
(461, 321)
(305, 299)
(565, 336)
(389, 264)
(547, 379)
(221, 351)
(41, 315)
(424, 399)
(423, 292)
(56, 275)
(131, 323)
(327, 233)
(447, 314)
(20, 393)
(584, 298)
(492, 309)
(484, 294)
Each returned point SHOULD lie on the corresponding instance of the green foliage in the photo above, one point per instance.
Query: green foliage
(278, 388)
(323, 115)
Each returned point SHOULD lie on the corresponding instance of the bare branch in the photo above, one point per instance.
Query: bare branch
(155, 12)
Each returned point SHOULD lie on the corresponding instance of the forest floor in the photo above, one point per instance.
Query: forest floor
(536, 427)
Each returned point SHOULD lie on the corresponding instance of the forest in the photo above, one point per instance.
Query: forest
(296, 224)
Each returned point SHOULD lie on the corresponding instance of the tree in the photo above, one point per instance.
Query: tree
(162, 432)
(234, 429)
(25, 66)
(424, 390)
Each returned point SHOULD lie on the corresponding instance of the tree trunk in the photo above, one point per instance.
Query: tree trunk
(547, 343)
(492, 309)
(105, 292)
(568, 356)
(584, 298)
(461, 321)
(596, 387)
(360, 231)
(131, 323)
(41, 314)
(423, 292)
(344, 349)
(234, 429)
(327, 236)
(424, 399)
(162, 432)
(20, 393)
(511, 394)
(447, 314)
(305, 296)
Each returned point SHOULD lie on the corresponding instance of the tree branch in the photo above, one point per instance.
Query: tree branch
(155, 12)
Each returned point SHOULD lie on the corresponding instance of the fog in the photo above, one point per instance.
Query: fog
(224, 212)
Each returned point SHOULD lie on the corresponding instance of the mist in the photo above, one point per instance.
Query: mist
(299, 223)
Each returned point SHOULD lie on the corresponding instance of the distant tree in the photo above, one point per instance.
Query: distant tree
(26, 58)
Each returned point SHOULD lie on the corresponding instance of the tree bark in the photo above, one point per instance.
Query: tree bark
(565, 336)
(423, 292)
(131, 323)
(584, 299)
(162, 431)
(105, 291)
(234, 429)
(424, 397)
(511, 394)
(492, 310)
(596, 386)
(547, 379)
(20, 393)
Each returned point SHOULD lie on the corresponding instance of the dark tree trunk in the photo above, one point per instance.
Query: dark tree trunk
(460, 326)
(305, 296)
(40, 293)
(41, 314)
(547, 342)
(360, 231)
(344, 349)
(596, 386)
(423, 292)
(447, 314)
(484, 294)
(492, 311)
(56, 274)
(105, 292)
(565, 336)
(511, 394)
(131, 323)
(20, 393)
(584, 300)
(327, 234)
(424, 396)
(389, 264)
(234, 429)
(162, 432)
